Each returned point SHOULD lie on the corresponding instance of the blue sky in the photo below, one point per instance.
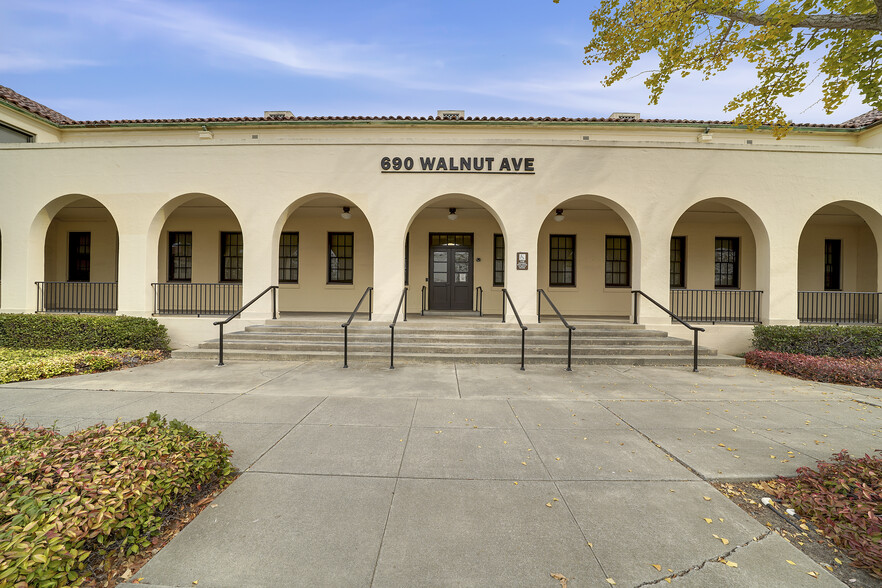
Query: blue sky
(115, 59)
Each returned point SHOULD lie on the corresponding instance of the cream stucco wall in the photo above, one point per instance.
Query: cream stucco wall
(648, 182)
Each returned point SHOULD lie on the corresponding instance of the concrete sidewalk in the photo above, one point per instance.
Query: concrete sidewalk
(466, 475)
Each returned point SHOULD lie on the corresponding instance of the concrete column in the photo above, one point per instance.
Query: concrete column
(21, 265)
(260, 266)
(650, 271)
(521, 284)
(389, 274)
(135, 296)
(777, 269)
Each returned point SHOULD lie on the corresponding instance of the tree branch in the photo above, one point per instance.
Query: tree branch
(858, 22)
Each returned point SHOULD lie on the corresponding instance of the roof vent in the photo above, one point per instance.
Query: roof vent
(451, 114)
(278, 114)
(625, 116)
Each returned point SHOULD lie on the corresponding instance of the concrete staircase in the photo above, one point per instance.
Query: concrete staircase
(463, 339)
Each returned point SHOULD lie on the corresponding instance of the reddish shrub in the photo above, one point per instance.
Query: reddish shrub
(855, 371)
(843, 498)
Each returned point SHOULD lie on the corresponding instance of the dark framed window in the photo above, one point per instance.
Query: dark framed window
(231, 257)
(562, 260)
(180, 256)
(726, 262)
(678, 262)
(498, 260)
(618, 261)
(289, 257)
(79, 256)
(340, 258)
(462, 239)
(13, 135)
(832, 264)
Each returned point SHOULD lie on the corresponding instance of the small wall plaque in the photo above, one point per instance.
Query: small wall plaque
(522, 260)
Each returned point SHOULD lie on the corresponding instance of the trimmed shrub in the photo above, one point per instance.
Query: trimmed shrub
(854, 371)
(843, 498)
(100, 489)
(36, 364)
(851, 341)
(80, 333)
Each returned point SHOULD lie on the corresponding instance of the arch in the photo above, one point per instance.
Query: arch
(839, 264)
(319, 287)
(471, 239)
(52, 256)
(591, 227)
(711, 235)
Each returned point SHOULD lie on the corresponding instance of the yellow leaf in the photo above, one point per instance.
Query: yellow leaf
(707, 498)
(804, 527)
(721, 444)
(523, 463)
(731, 564)
(657, 567)
(515, 483)
(812, 574)
(548, 504)
(668, 580)
(590, 544)
(708, 521)
(724, 540)
(611, 582)
(837, 560)
(790, 562)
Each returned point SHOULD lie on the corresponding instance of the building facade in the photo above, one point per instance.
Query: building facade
(183, 219)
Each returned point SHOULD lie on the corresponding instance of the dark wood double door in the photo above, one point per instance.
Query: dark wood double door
(451, 271)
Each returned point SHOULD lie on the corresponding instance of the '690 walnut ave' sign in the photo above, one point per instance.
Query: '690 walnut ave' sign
(458, 165)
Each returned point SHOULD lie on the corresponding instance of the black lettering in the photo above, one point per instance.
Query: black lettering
(453, 165)
(465, 163)
(408, 163)
(385, 163)
(396, 163)
(489, 163)
(442, 164)
(479, 167)
(528, 164)
(517, 163)
(504, 166)
(427, 163)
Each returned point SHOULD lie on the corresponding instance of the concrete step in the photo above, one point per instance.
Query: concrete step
(458, 339)
(383, 330)
(511, 358)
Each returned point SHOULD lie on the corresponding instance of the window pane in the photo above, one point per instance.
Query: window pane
(726, 262)
(340, 258)
(618, 261)
(562, 255)
(180, 256)
(498, 260)
(289, 262)
(231, 257)
(832, 264)
(678, 262)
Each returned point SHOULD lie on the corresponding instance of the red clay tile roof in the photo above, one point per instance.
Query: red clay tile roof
(865, 120)
(25, 103)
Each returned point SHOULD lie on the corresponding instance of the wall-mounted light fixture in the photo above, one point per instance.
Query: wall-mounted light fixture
(706, 136)
(204, 133)
(452, 215)
(558, 214)
(346, 215)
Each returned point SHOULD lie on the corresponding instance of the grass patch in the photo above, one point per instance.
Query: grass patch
(69, 504)
(35, 364)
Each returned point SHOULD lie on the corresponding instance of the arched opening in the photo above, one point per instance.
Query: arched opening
(715, 275)
(199, 257)
(325, 255)
(588, 252)
(454, 252)
(838, 266)
(80, 257)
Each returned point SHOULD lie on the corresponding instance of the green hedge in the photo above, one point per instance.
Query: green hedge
(80, 333)
(851, 341)
(67, 501)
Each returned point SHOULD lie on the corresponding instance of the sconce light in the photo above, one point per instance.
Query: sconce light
(706, 136)
(452, 215)
(204, 133)
(346, 215)
(558, 214)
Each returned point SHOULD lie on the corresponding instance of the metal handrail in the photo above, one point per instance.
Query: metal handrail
(517, 316)
(367, 292)
(479, 300)
(695, 330)
(569, 327)
(220, 324)
(423, 299)
(403, 299)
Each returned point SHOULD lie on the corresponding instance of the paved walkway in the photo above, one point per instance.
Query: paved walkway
(467, 475)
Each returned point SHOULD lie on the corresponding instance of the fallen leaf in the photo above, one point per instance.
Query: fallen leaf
(611, 582)
(731, 564)
(561, 578)
(590, 544)
(523, 463)
(548, 504)
(707, 498)
(708, 521)
(790, 562)
(668, 580)
(657, 567)
(837, 560)
(812, 574)
(724, 540)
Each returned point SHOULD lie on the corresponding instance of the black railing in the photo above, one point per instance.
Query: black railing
(839, 307)
(569, 327)
(517, 316)
(717, 306)
(479, 300)
(186, 298)
(402, 300)
(694, 330)
(78, 297)
(220, 324)
(423, 301)
(369, 293)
